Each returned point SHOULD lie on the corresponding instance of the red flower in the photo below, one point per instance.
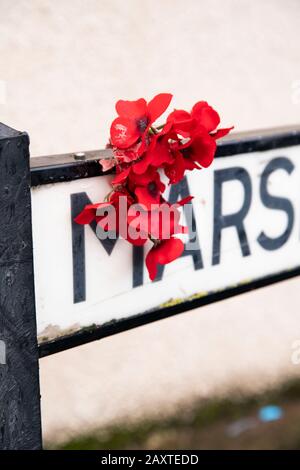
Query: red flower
(197, 152)
(202, 116)
(147, 187)
(135, 119)
(164, 252)
(200, 149)
(158, 153)
(187, 141)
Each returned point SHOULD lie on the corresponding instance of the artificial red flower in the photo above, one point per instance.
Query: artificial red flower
(187, 141)
(147, 187)
(135, 119)
(202, 116)
(158, 154)
(196, 153)
(164, 252)
(200, 149)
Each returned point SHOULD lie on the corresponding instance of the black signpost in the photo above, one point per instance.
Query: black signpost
(20, 423)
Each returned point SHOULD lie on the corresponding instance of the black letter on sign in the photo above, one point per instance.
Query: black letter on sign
(275, 202)
(231, 220)
(78, 202)
(181, 190)
(137, 265)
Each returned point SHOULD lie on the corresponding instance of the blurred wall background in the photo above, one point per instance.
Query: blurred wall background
(63, 64)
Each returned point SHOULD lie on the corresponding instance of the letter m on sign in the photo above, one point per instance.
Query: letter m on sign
(78, 202)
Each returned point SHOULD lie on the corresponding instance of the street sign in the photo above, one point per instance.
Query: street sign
(244, 231)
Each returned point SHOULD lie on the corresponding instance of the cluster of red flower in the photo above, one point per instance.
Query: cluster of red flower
(187, 141)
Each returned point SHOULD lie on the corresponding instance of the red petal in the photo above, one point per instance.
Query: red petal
(206, 115)
(129, 154)
(175, 172)
(157, 155)
(178, 115)
(190, 165)
(203, 149)
(221, 133)
(164, 221)
(165, 130)
(123, 132)
(184, 201)
(115, 196)
(107, 163)
(160, 154)
(147, 198)
(132, 109)
(87, 215)
(158, 105)
(183, 123)
(142, 165)
(121, 177)
(164, 253)
(142, 179)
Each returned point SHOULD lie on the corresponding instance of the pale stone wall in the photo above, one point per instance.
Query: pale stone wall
(63, 64)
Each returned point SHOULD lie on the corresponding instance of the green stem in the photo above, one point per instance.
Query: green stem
(152, 130)
(106, 199)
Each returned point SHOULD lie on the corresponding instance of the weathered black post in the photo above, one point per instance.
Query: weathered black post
(20, 424)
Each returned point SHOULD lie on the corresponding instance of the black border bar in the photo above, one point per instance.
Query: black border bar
(20, 414)
(67, 167)
(86, 335)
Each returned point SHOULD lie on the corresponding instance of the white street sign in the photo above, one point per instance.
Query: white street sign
(246, 214)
